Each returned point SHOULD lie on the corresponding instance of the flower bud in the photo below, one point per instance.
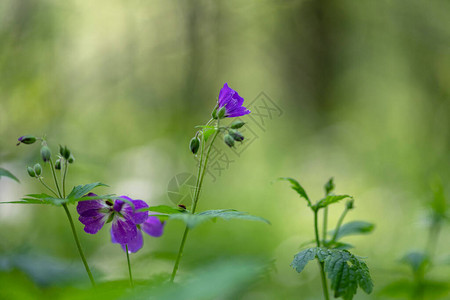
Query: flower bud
(194, 145)
(236, 135)
(71, 159)
(46, 153)
(26, 139)
(349, 203)
(38, 169)
(31, 172)
(58, 164)
(229, 140)
(214, 113)
(221, 113)
(64, 151)
(237, 124)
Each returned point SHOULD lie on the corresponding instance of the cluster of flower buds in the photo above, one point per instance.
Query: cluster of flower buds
(233, 134)
(64, 154)
(36, 171)
(219, 114)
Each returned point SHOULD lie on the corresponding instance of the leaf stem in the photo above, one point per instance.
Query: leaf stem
(321, 264)
(49, 188)
(129, 266)
(77, 241)
(201, 175)
(52, 167)
(339, 223)
(325, 224)
(66, 166)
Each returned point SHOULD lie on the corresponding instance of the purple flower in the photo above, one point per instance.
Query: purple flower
(126, 221)
(152, 226)
(232, 102)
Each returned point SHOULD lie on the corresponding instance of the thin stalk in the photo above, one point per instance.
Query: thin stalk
(432, 239)
(66, 166)
(77, 241)
(198, 187)
(325, 224)
(49, 188)
(339, 223)
(129, 267)
(321, 264)
(52, 167)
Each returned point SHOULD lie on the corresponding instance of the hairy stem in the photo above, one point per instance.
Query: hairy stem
(77, 241)
(129, 267)
(321, 264)
(201, 175)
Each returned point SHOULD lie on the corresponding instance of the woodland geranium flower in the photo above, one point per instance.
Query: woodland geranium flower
(124, 218)
(152, 226)
(232, 102)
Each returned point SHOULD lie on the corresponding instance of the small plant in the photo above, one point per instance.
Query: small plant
(345, 270)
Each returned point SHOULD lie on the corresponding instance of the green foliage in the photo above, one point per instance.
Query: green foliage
(345, 270)
(192, 220)
(416, 260)
(354, 227)
(81, 190)
(6, 173)
(324, 202)
(163, 209)
(295, 185)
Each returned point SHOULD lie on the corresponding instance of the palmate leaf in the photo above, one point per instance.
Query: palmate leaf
(345, 270)
(295, 185)
(192, 220)
(81, 190)
(330, 199)
(6, 173)
(354, 227)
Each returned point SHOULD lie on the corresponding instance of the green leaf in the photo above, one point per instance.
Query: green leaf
(295, 185)
(192, 220)
(354, 227)
(81, 190)
(207, 132)
(329, 186)
(163, 209)
(330, 199)
(38, 199)
(6, 173)
(417, 260)
(302, 258)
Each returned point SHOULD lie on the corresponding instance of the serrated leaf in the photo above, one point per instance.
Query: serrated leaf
(6, 173)
(330, 199)
(163, 209)
(354, 227)
(81, 190)
(192, 220)
(302, 258)
(295, 185)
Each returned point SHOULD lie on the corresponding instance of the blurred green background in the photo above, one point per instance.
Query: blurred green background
(363, 88)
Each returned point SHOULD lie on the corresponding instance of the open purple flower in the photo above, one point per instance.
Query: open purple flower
(124, 218)
(152, 226)
(232, 102)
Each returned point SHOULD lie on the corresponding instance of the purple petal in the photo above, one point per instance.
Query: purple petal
(224, 94)
(84, 206)
(93, 224)
(238, 112)
(123, 230)
(134, 245)
(153, 226)
(134, 215)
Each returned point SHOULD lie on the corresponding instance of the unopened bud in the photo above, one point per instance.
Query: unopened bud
(31, 172)
(64, 151)
(237, 124)
(38, 169)
(214, 113)
(26, 139)
(236, 135)
(221, 113)
(194, 145)
(71, 159)
(350, 203)
(229, 140)
(58, 164)
(46, 153)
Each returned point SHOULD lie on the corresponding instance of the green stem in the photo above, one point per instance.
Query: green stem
(338, 225)
(325, 224)
(198, 187)
(129, 267)
(432, 239)
(66, 166)
(52, 167)
(77, 241)
(49, 188)
(321, 264)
